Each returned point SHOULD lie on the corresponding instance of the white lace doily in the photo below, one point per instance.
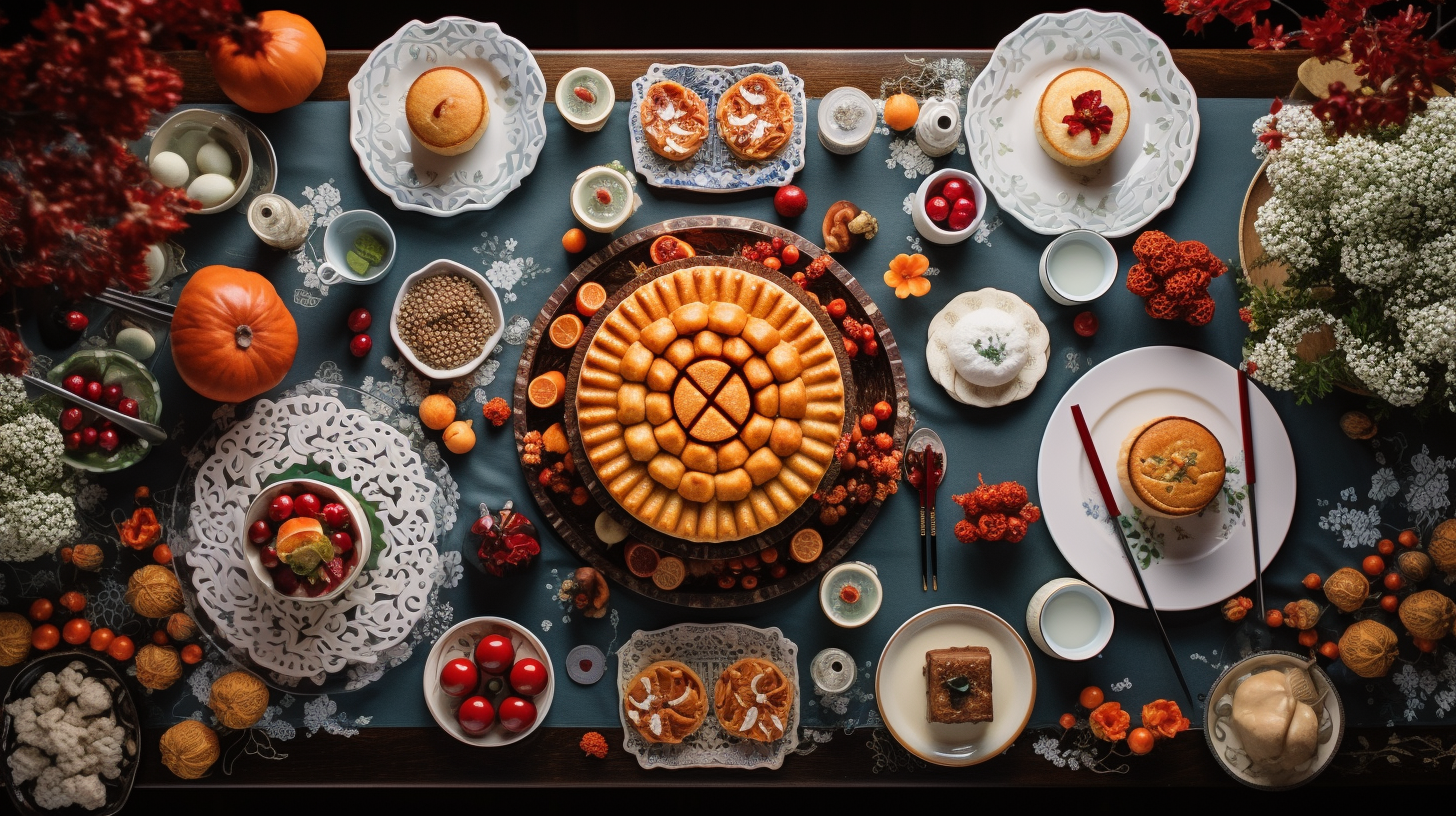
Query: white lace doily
(311, 640)
(944, 373)
(708, 649)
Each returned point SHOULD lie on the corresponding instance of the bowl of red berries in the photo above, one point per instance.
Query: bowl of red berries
(949, 206)
(489, 682)
(306, 540)
(113, 379)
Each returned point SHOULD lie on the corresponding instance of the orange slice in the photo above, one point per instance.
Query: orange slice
(668, 248)
(589, 298)
(565, 331)
(806, 546)
(547, 389)
(670, 572)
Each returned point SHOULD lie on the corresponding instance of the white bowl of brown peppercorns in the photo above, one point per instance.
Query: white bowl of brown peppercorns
(446, 319)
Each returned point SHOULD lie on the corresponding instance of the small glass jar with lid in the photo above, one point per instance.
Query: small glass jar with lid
(847, 118)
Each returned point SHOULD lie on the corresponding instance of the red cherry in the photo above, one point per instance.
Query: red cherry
(129, 406)
(103, 425)
(76, 384)
(71, 419)
(516, 714)
(335, 515)
(959, 220)
(476, 716)
(108, 440)
(790, 201)
(871, 347)
(93, 391)
(281, 508)
(341, 540)
(964, 205)
(790, 255)
(73, 441)
(359, 320)
(360, 345)
(284, 580)
(260, 532)
(307, 505)
(1085, 324)
(494, 654)
(89, 435)
(937, 208)
(459, 677)
(111, 395)
(954, 189)
(529, 677)
(76, 321)
(268, 557)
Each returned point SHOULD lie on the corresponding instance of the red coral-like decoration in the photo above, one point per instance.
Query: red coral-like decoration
(965, 532)
(995, 512)
(1140, 281)
(1173, 277)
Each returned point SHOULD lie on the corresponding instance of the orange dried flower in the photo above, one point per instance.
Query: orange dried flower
(1164, 719)
(907, 275)
(595, 744)
(1152, 243)
(142, 530)
(497, 411)
(1109, 722)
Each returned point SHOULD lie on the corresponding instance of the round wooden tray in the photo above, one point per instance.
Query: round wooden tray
(877, 378)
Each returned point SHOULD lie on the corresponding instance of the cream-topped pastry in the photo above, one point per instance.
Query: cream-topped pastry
(674, 120)
(755, 117)
(988, 347)
(1082, 117)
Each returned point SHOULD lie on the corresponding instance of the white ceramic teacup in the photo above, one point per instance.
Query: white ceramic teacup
(1064, 610)
(1077, 285)
(339, 239)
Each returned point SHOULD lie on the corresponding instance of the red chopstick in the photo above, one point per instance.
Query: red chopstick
(1091, 450)
(1248, 429)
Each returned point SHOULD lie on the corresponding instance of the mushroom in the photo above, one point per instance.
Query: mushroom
(837, 237)
(588, 592)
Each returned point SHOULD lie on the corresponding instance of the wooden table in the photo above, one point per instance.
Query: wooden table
(430, 757)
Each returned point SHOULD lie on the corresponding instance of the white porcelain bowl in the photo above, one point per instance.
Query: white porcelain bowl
(1047, 642)
(1223, 741)
(460, 641)
(1105, 253)
(222, 130)
(927, 228)
(566, 87)
(445, 266)
(262, 580)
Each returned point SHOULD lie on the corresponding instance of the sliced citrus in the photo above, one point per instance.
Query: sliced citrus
(670, 573)
(667, 248)
(589, 298)
(806, 546)
(547, 389)
(642, 560)
(565, 331)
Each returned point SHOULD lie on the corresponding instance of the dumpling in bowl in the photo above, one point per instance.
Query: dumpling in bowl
(988, 347)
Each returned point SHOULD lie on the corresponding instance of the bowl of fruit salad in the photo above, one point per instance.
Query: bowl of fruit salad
(113, 379)
(489, 682)
(949, 206)
(306, 540)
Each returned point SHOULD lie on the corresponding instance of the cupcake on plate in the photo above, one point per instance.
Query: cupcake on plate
(447, 110)
(1082, 117)
(1171, 467)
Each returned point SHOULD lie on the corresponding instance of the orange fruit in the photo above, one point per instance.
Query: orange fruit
(670, 573)
(547, 389)
(806, 546)
(565, 331)
(573, 241)
(668, 248)
(590, 297)
(901, 111)
(642, 560)
(297, 532)
(437, 411)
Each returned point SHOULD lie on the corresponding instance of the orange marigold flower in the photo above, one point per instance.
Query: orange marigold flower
(497, 411)
(965, 532)
(1164, 718)
(907, 275)
(1109, 722)
(595, 744)
(1151, 244)
(1140, 281)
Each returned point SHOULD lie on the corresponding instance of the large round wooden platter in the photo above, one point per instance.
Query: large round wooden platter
(869, 380)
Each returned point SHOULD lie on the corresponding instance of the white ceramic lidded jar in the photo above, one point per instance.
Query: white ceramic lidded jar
(584, 97)
(938, 128)
(846, 120)
(850, 594)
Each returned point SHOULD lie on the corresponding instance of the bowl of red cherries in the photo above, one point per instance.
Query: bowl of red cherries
(489, 682)
(305, 540)
(949, 206)
(117, 381)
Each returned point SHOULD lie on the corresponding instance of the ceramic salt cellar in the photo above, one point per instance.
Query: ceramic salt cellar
(938, 128)
(277, 222)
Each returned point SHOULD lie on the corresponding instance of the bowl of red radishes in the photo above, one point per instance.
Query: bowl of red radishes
(949, 206)
(489, 682)
(306, 540)
(113, 379)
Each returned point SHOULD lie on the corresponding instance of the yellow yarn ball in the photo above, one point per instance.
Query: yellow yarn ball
(189, 748)
(239, 699)
(153, 591)
(158, 667)
(15, 633)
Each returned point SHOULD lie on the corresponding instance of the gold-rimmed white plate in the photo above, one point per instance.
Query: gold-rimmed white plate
(901, 694)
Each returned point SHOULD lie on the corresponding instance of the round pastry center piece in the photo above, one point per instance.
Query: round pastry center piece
(988, 347)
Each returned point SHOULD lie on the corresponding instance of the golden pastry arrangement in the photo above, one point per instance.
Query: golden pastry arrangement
(709, 404)
(447, 110)
(1171, 467)
(666, 702)
(755, 119)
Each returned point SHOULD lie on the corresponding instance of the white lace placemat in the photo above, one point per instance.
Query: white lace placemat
(311, 640)
(708, 649)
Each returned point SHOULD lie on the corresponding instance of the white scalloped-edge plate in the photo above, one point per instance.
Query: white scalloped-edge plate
(417, 179)
(1144, 173)
(944, 373)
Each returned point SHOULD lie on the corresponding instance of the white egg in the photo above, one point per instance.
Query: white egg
(212, 158)
(210, 189)
(188, 144)
(156, 261)
(170, 169)
(136, 342)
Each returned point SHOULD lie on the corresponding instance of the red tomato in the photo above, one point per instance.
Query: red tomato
(101, 638)
(159, 637)
(773, 263)
(45, 637)
(1373, 565)
(1408, 538)
(162, 554)
(837, 308)
(1393, 581)
(790, 255)
(495, 654)
(1308, 638)
(1068, 721)
(529, 677)
(41, 610)
(1389, 603)
(516, 714)
(1424, 644)
(1140, 740)
(883, 410)
(121, 648)
(191, 654)
(1090, 698)
(1085, 324)
(1330, 649)
(73, 601)
(1385, 546)
(476, 715)
(1313, 581)
(459, 677)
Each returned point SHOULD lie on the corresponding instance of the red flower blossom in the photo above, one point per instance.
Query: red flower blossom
(1269, 38)
(1089, 114)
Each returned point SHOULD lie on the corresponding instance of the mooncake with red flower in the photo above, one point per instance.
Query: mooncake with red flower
(1081, 118)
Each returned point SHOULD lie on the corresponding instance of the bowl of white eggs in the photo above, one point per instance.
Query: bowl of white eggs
(204, 153)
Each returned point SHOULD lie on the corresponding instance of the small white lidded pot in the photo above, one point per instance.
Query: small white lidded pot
(847, 119)
(1069, 619)
(602, 198)
(340, 237)
(934, 184)
(1078, 267)
(938, 128)
(850, 594)
(587, 116)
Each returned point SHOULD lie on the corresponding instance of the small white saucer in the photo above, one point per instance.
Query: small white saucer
(944, 373)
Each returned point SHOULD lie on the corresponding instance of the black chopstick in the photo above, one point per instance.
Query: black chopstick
(1248, 427)
(932, 484)
(924, 491)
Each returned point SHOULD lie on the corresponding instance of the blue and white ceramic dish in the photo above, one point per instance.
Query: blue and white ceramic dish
(714, 169)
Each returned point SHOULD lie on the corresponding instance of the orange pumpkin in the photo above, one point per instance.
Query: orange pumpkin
(272, 64)
(232, 337)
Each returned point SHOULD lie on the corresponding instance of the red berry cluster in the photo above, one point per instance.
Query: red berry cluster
(857, 336)
(814, 271)
(79, 433)
(998, 512)
(774, 254)
(1173, 277)
(869, 466)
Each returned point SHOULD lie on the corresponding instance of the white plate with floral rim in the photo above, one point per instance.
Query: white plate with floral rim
(708, 649)
(960, 389)
(1121, 194)
(417, 179)
(1187, 563)
(714, 169)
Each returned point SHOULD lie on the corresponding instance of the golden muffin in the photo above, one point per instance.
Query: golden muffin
(674, 121)
(1082, 117)
(755, 117)
(447, 110)
(753, 699)
(1171, 467)
(666, 702)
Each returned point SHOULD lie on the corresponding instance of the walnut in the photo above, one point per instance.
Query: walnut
(864, 224)
(1301, 614)
(1357, 425)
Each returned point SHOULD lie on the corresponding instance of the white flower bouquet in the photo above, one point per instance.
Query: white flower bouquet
(1367, 225)
(37, 511)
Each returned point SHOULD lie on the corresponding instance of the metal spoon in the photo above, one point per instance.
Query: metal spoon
(142, 428)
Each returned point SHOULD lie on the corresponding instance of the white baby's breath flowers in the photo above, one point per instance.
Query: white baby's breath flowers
(1274, 357)
(37, 513)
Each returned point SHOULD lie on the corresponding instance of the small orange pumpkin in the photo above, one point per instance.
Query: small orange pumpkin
(274, 63)
(232, 337)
